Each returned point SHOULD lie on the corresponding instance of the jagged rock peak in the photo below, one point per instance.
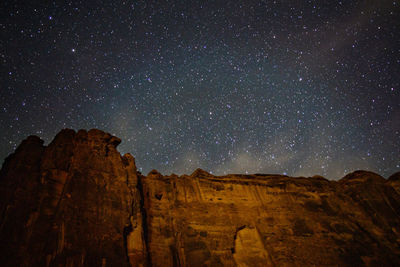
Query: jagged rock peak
(30, 142)
(154, 174)
(201, 173)
(64, 136)
(128, 159)
(92, 136)
(103, 136)
(73, 195)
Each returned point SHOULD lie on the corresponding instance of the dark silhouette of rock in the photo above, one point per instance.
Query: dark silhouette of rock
(200, 173)
(395, 177)
(72, 203)
(78, 202)
(394, 181)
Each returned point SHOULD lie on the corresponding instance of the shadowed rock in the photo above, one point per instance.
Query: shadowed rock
(395, 177)
(78, 202)
(72, 203)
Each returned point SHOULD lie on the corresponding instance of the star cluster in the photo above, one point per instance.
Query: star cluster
(294, 87)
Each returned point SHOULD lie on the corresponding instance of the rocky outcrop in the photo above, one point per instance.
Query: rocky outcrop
(272, 220)
(77, 202)
(72, 203)
(394, 181)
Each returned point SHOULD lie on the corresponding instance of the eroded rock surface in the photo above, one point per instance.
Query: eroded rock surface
(272, 220)
(78, 202)
(72, 203)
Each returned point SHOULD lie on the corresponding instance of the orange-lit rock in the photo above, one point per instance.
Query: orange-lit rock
(250, 220)
(77, 202)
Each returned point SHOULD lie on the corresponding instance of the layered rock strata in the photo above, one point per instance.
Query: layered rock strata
(78, 202)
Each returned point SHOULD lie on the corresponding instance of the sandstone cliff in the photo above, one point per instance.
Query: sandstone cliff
(78, 202)
(72, 203)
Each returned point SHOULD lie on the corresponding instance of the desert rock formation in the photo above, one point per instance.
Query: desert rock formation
(78, 202)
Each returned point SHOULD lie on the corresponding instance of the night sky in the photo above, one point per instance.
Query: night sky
(294, 87)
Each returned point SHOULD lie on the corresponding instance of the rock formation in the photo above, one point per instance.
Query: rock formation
(72, 203)
(78, 202)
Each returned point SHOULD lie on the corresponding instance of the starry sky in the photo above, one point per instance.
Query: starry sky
(291, 87)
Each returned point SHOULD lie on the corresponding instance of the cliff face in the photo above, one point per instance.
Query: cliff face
(270, 220)
(72, 203)
(77, 202)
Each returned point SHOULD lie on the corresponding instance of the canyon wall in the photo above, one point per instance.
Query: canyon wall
(78, 202)
(72, 203)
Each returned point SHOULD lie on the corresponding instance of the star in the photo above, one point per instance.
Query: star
(245, 87)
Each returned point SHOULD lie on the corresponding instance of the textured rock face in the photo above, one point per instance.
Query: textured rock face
(270, 220)
(72, 203)
(77, 202)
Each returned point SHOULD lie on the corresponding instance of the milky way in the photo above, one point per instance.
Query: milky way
(294, 87)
